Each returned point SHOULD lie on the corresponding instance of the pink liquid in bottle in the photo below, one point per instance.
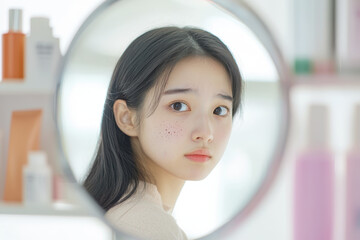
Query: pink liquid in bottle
(314, 183)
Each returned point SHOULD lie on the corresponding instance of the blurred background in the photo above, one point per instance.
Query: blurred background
(319, 43)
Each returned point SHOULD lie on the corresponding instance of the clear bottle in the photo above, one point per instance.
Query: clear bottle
(13, 48)
(314, 181)
(37, 180)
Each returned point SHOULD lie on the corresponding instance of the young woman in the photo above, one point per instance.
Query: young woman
(167, 119)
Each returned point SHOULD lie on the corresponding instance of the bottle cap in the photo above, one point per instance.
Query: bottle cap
(15, 20)
(40, 26)
(318, 126)
(303, 66)
(37, 159)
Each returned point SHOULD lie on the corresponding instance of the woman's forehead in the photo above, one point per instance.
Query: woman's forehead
(197, 72)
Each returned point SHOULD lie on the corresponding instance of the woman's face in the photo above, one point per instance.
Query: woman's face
(194, 114)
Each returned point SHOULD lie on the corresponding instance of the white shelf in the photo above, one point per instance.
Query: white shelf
(57, 209)
(345, 80)
(20, 87)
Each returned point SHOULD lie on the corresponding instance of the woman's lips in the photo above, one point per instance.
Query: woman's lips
(201, 155)
(198, 158)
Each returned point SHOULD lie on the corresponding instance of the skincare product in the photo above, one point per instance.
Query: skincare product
(24, 137)
(13, 48)
(42, 53)
(314, 181)
(303, 29)
(348, 35)
(353, 182)
(37, 180)
(313, 34)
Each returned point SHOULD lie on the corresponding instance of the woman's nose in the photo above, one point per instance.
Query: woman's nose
(203, 130)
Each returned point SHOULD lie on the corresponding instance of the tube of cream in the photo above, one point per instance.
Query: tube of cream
(24, 137)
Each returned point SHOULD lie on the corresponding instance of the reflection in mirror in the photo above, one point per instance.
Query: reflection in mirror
(202, 206)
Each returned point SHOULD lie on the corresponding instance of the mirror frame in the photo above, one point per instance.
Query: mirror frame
(246, 15)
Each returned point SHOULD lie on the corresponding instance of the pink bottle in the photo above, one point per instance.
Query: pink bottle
(353, 182)
(314, 181)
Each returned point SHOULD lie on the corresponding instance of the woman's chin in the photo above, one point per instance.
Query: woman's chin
(197, 177)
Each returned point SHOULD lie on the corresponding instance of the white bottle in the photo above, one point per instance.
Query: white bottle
(348, 35)
(42, 54)
(37, 180)
(313, 34)
(352, 225)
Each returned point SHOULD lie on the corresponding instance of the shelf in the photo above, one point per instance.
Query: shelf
(15, 87)
(57, 221)
(20, 222)
(329, 80)
(57, 208)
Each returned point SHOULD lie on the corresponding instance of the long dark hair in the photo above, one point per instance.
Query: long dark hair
(146, 63)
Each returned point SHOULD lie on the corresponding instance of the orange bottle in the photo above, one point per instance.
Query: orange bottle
(13, 48)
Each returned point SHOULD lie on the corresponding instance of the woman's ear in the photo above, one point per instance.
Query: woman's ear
(125, 118)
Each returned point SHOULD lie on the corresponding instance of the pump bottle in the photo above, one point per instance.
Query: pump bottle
(37, 177)
(314, 181)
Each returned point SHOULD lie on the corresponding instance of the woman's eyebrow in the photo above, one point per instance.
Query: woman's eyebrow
(178, 90)
(226, 97)
(190, 90)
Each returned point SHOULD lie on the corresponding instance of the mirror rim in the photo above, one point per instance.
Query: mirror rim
(247, 16)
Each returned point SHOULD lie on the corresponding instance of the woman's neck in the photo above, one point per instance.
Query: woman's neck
(168, 185)
(169, 188)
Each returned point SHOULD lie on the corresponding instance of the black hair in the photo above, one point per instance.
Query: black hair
(146, 63)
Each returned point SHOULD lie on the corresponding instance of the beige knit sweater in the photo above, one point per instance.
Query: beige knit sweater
(144, 216)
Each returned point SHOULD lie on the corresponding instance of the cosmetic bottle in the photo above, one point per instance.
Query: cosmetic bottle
(348, 36)
(13, 48)
(313, 34)
(353, 182)
(314, 181)
(42, 53)
(37, 180)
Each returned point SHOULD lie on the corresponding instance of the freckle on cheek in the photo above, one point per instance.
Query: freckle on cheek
(170, 130)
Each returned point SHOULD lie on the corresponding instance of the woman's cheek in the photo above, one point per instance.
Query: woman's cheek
(169, 131)
(223, 134)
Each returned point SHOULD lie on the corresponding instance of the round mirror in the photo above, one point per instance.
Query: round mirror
(249, 164)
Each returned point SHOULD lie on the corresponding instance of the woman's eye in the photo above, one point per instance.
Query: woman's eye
(179, 106)
(221, 111)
